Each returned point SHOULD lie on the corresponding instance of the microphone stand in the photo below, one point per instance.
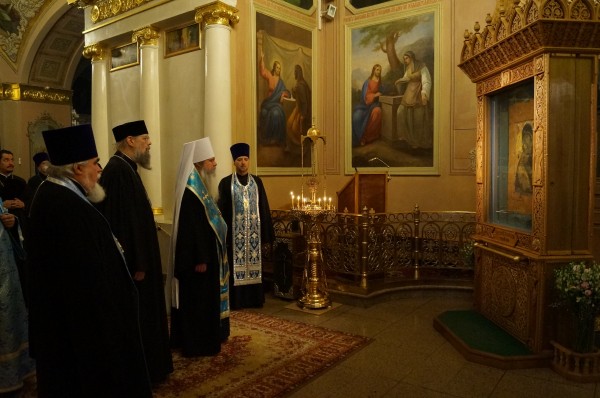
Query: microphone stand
(389, 177)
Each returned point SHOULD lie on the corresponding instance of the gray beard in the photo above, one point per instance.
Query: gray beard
(143, 159)
(96, 194)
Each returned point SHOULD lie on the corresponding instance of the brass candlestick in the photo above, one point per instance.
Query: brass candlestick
(310, 210)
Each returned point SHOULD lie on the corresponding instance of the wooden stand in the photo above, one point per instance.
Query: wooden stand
(364, 190)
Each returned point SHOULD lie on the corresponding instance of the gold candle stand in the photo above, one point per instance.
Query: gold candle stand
(314, 281)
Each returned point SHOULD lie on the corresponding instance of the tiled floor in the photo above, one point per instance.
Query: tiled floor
(408, 358)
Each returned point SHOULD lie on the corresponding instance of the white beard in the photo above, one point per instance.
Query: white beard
(96, 194)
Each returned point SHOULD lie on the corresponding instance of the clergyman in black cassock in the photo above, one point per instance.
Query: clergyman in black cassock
(84, 330)
(129, 213)
(246, 288)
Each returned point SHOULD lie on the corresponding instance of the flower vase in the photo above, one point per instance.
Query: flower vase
(584, 333)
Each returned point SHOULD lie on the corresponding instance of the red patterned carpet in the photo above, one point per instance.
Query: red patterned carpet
(264, 357)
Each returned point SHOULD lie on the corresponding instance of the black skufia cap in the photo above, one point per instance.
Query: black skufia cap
(40, 157)
(129, 129)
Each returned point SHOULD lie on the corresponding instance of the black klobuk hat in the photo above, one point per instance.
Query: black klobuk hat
(240, 149)
(70, 144)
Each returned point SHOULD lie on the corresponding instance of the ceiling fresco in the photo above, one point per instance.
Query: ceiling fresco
(16, 19)
(54, 56)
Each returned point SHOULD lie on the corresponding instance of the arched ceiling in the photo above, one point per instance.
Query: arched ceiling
(60, 51)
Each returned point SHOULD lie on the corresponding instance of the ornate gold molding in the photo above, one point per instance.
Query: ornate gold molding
(95, 52)
(217, 13)
(103, 9)
(20, 92)
(526, 28)
(146, 36)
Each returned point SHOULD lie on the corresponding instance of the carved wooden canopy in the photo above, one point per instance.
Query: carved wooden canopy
(521, 29)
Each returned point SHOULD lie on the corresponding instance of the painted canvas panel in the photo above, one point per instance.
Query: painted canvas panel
(124, 56)
(283, 93)
(182, 40)
(392, 99)
(520, 159)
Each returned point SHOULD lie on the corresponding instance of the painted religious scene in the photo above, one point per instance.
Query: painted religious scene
(512, 121)
(392, 95)
(283, 92)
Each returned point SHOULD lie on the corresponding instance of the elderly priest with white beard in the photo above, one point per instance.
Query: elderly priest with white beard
(84, 331)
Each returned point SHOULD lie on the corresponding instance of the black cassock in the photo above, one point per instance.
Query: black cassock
(84, 332)
(247, 296)
(129, 213)
(196, 326)
(32, 185)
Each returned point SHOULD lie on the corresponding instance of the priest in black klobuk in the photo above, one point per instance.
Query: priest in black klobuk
(200, 313)
(84, 330)
(129, 212)
(245, 208)
(41, 161)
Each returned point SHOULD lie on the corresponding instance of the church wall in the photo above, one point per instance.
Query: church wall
(6, 73)
(179, 94)
(182, 113)
(123, 89)
(182, 100)
(22, 119)
(452, 188)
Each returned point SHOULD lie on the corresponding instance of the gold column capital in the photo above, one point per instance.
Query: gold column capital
(217, 13)
(95, 52)
(147, 36)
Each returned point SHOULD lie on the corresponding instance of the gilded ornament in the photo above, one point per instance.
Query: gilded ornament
(519, 29)
(104, 9)
(18, 92)
(217, 14)
(95, 14)
(147, 36)
(95, 52)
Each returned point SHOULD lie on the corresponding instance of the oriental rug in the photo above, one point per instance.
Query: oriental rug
(264, 357)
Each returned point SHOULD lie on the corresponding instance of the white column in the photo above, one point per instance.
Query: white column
(102, 133)
(150, 112)
(216, 19)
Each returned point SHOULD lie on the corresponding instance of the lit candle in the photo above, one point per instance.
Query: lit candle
(292, 194)
(329, 205)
